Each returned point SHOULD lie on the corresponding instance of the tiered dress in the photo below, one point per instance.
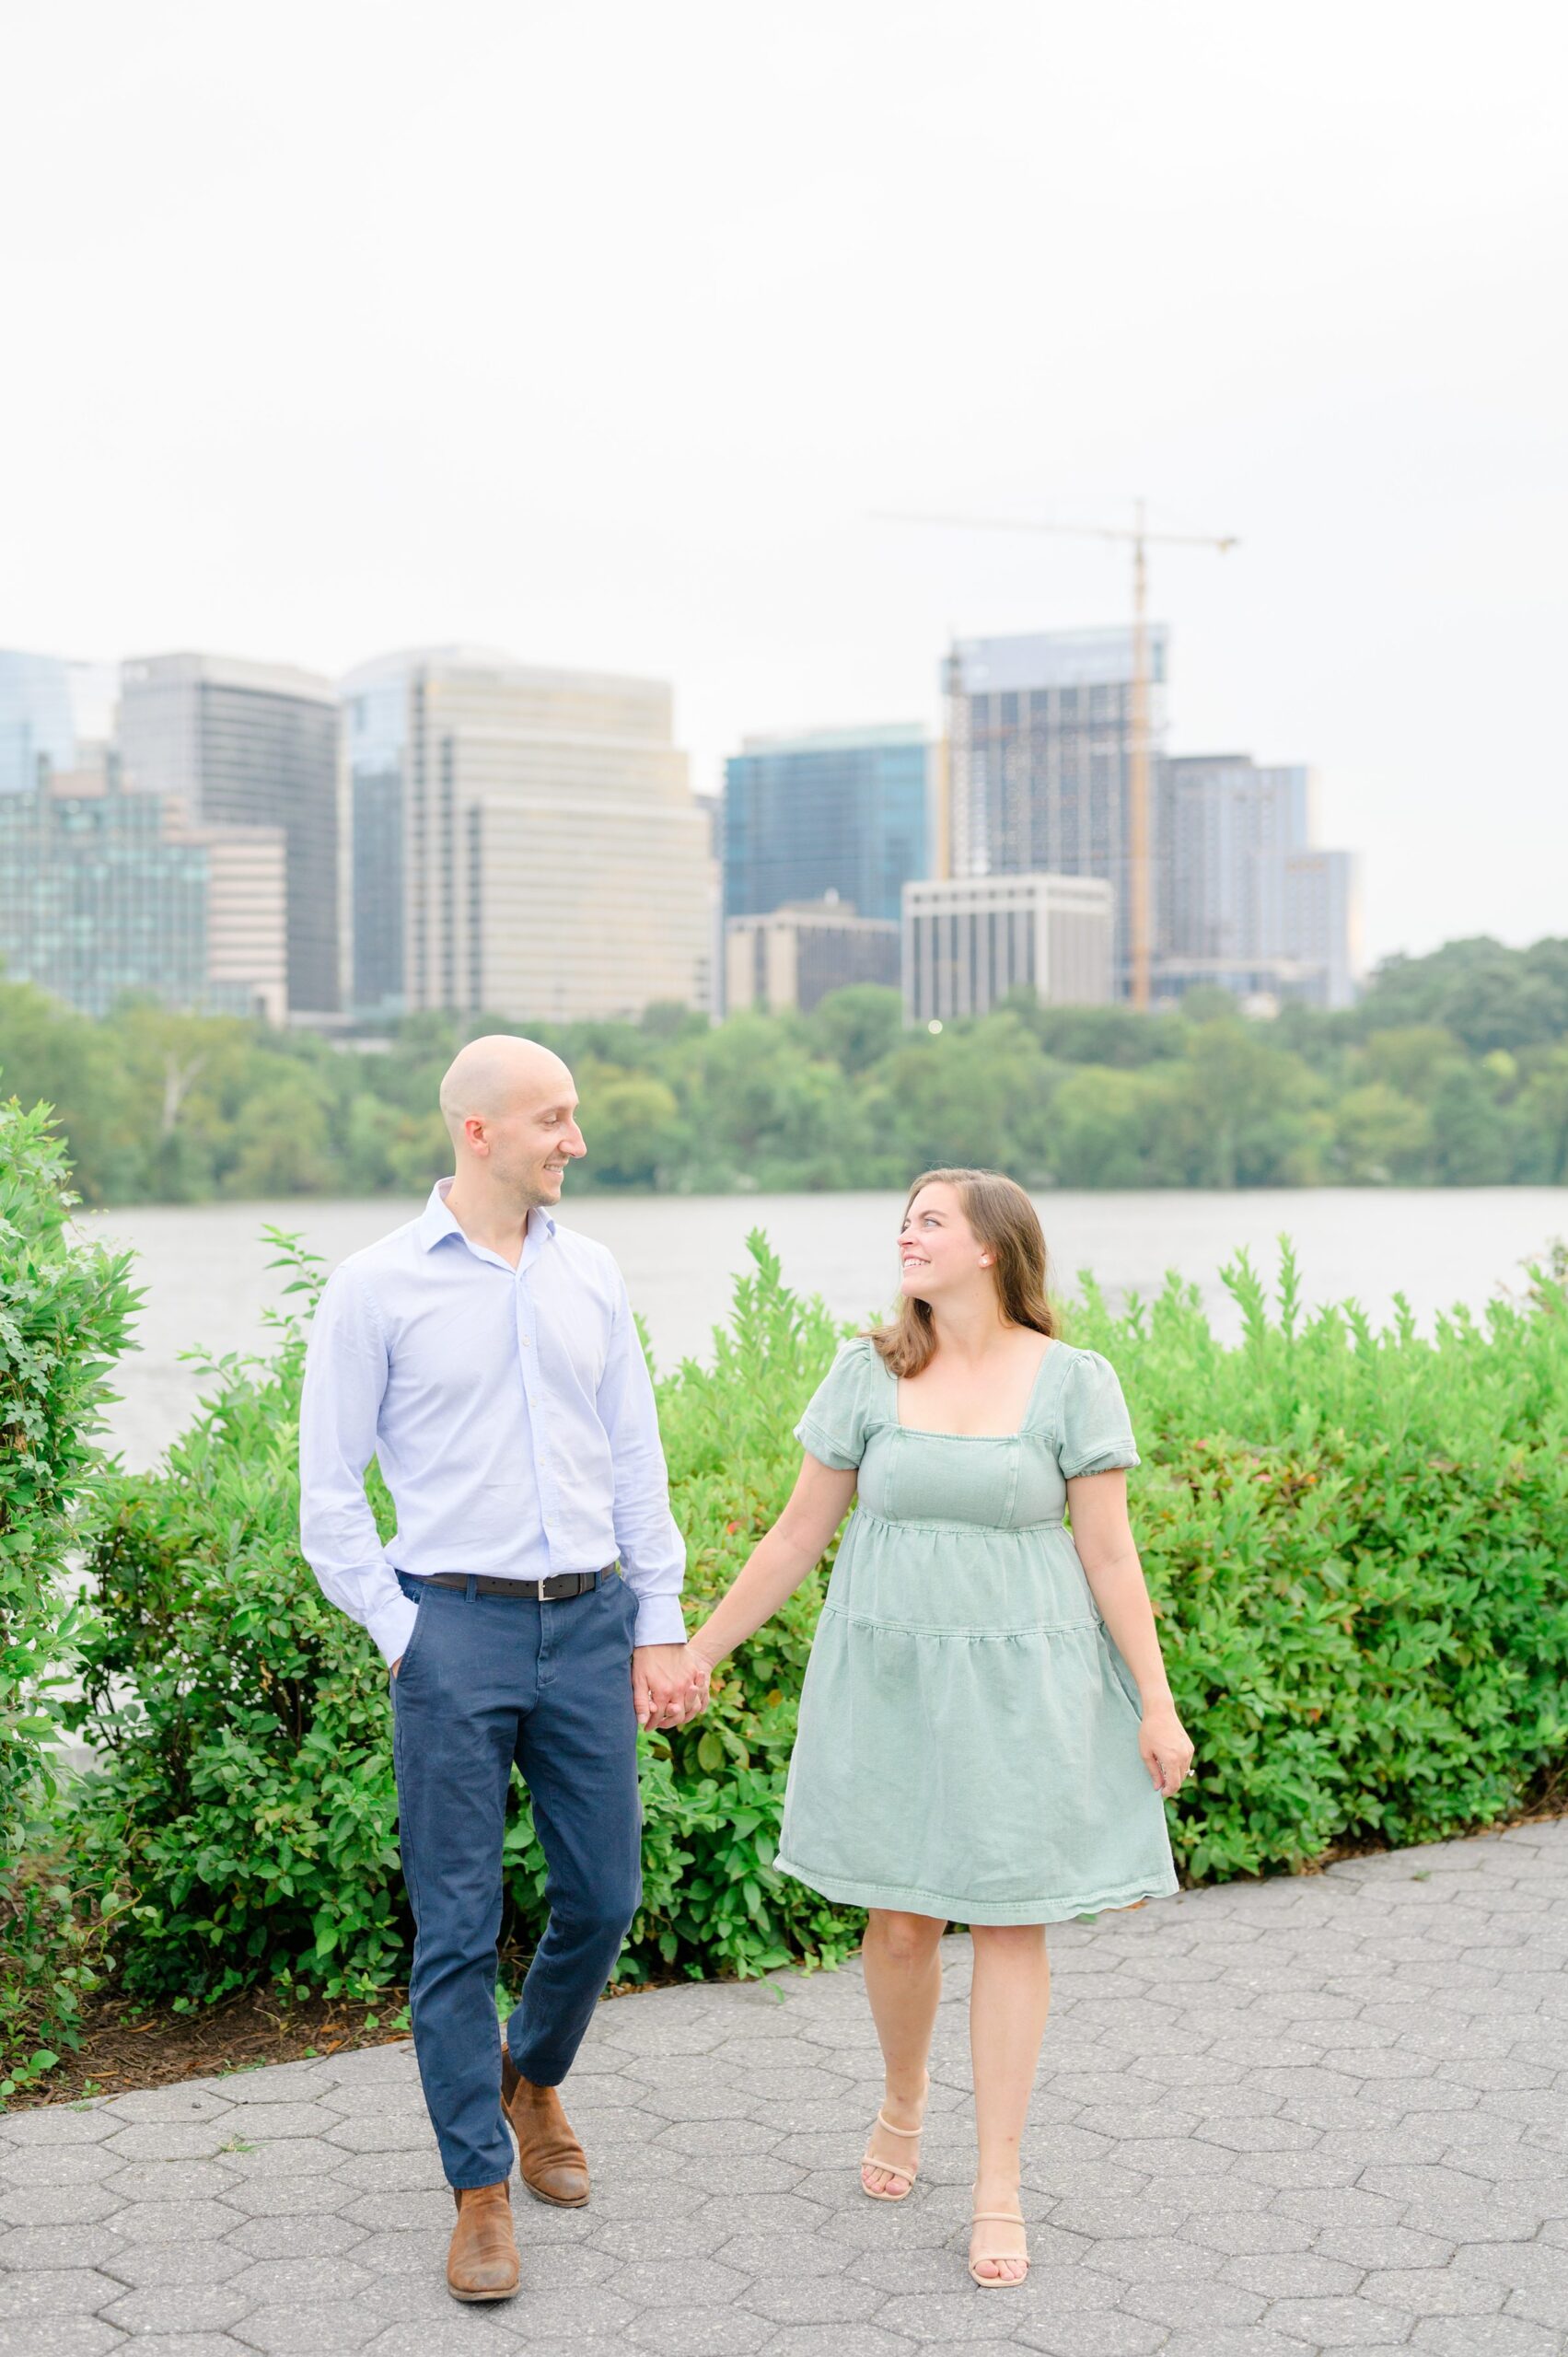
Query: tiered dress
(968, 1744)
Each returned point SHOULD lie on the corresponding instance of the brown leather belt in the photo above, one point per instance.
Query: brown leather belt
(559, 1586)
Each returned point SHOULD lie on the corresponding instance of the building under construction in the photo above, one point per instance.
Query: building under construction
(1040, 735)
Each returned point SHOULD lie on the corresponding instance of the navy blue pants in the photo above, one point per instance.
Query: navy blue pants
(486, 1681)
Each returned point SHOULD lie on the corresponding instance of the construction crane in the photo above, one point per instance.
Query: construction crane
(1139, 537)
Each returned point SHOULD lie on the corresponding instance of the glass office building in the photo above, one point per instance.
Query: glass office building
(97, 900)
(838, 812)
(1040, 730)
(38, 729)
(1244, 899)
(244, 744)
(526, 841)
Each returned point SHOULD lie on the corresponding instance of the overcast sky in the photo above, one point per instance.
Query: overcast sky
(598, 332)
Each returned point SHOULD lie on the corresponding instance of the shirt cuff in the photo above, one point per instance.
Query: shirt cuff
(659, 1622)
(392, 1625)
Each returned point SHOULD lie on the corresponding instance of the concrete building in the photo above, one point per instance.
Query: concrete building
(1243, 898)
(968, 940)
(839, 811)
(795, 955)
(1040, 729)
(253, 745)
(104, 894)
(525, 841)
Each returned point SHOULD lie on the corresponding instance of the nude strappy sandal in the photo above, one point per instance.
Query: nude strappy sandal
(1000, 2258)
(894, 2168)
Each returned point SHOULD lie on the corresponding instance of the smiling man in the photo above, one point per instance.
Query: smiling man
(528, 1605)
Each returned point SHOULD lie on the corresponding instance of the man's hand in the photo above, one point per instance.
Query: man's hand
(397, 1664)
(669, 1685)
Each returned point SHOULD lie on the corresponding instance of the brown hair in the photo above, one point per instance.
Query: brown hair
(1008, 1225)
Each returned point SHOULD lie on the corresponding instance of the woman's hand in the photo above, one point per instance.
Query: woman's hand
(1166, 1748)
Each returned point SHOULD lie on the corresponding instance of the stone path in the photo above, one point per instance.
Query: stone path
(1323, 2113)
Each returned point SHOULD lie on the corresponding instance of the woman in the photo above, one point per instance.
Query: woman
(970, 1745)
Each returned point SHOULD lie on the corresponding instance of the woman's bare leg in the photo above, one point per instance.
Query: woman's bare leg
(1008, 2004)
(903, 1980)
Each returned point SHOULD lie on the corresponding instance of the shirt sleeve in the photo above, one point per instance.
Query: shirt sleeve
(833, 1429)
(1097, 1433)
(652, 1551)
(345, 1378)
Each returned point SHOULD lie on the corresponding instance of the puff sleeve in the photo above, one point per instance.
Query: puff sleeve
(1097, 1434)
(833, 1426)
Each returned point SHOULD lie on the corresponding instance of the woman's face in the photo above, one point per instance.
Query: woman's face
(938, 1250)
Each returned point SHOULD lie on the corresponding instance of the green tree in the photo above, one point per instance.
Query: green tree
(854, 1028)
(631, 1126)
(1382, 1134)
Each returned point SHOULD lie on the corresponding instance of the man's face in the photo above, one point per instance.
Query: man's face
(534, 1139)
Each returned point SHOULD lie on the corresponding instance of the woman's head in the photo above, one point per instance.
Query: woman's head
(964, 1229)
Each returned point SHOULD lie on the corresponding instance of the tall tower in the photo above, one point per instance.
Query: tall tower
(1041, 737)
(525, 841)
(249, 745)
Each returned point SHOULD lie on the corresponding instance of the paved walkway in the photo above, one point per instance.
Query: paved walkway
(1302, 2116)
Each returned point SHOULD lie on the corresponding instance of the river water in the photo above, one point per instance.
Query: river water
(206, 1280)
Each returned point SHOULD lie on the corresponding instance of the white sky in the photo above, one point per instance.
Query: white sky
(596, 330)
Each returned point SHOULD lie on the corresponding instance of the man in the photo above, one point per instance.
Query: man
(490, 1361)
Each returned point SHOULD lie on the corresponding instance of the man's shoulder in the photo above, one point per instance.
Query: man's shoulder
(584, 1255)
(357, 1272)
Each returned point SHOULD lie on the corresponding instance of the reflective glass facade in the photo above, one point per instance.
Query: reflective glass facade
(37, 725)
(1042, 744)
(249, 745)
(839, 811)
(97, 900)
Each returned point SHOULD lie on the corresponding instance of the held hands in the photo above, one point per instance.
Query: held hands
(669, 1685)
(1166, 1748)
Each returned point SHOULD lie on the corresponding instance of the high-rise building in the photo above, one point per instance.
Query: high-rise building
(795, 955)
(37, 723)
(1039, 731)
(249, 745)
(840, 810)
(967, 940)
(104, 894)
(1243, 898)
(525, 841)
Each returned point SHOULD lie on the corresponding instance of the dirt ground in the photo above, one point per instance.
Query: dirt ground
(126, 2045)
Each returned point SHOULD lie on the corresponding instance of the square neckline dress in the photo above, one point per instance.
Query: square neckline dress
(968, 1738)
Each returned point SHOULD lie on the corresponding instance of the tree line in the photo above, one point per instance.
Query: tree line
(1452, 1070)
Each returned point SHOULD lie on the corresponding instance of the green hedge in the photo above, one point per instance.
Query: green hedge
(1356, 1541)
(65, 1308)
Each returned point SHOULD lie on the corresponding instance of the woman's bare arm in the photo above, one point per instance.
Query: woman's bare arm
(778, 1563)
(1103, 1536)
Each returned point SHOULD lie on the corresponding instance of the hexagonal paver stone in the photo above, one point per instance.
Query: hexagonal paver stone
(1486, 2337)
(57, 2336)
(313, 2330)
(74, 2290)
(1339, 2323)
(197, 2102)
(171, 2307)
(56, 2205)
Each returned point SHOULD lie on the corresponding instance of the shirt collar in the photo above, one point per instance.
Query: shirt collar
(436, 1221)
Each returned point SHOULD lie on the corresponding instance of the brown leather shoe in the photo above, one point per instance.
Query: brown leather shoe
(554, 2165)
(481, 2260)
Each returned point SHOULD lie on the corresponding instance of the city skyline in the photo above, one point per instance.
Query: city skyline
(1288, 290)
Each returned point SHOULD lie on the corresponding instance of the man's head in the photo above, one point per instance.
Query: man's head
(510, 1109)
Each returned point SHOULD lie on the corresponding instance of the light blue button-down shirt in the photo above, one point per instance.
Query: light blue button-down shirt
(512, 1414)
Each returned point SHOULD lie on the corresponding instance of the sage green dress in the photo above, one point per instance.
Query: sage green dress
(968, 1733)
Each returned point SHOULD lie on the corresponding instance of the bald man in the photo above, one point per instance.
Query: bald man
(528, 1605)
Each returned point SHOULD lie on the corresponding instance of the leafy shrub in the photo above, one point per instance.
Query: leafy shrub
(64, 1311)
(246, 1816)
(1355, 1540)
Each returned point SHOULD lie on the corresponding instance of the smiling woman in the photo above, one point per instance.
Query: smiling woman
(986, 1730)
